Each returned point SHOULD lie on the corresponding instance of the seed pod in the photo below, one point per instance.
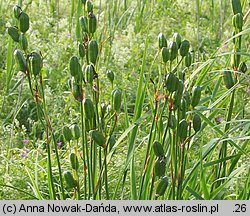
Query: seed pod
(98, 138)
(17, 11)
(24, 22)
(184, 48)
(172, 121)
(88, 109)
(196, 95)
(183, 129)
(13, 33)
(116, 100)
(160, 167)
(162, 42)
(165, 54)
(89, 6)
(19, 57)
(178, 94)
(23, 41)
(74, 161)
(84, 23)
(228, 79)
(89, 74)
(162, 186)
(188, 59)
(238, 21)
(235, 59)
(196, 122)
(177, 39)
(183, 108)
(36, 63)
(243, 67)
(187, 98)
(74, 67)
(171, 82)
(81, 50)
(236, 5)
(92, 23)
(158, 149)
(71, 182)
(76, 90)
(173, 50)
(67, 133)
(93, 51)
(110, 75)
(77, 131)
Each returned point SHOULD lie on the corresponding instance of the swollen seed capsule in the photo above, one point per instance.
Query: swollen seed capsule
(183, 108)
(243, 67)
(172, 123)
(88, 109)
(187, 98)
(173, 50)
(13, 33)
(158, 149)
(236, 4)
(76, 90)
(183, 129)
(177, 39)
(81, 50)
(171, 82)
(238, 21)
(184, 48)
(162, 186)
(160, 167)
(24, 22)
(165, 54)
(162, 42)
(92, 23)
(67, 133)
(77, 131)
(98, 138)
(93, 51)
(17, 11)
(36, 63)
(74, 66)
(188, 59)
(74, 161)
(196, 123)
(116, 100)
(84, 23)
(228, 79)
(19, 57)
(89, 6)
(89, 74)
(23, 41)
(196, 95)
(71, 182)
(110, 75)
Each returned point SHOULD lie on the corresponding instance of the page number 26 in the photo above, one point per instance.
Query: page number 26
(240, 208)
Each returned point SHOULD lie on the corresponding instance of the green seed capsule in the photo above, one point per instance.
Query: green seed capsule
(172, 123)
(162, 186)
(93, 51)
(110, 75)
(162, 42)
(76, 90)
(116, 100)
(89, 74)
(178, 94)
(173, 50)
(196, 95)
(98, 138)
(71, 182)
(171, 82)
(243, 67)
(177, 39)
(67, 133)
(236, 5)
(81, 50)
(188, 59)
(89, 109)
(74, 161)
(13, 33)
(36, 63)
(228, 79)
(183, 108)
(160, 167)
(196, 122)
(89, 6)
(235, 59)
(165, 54)
(183, 129)
(84, 23)
(74, 66)
(17, 11)
(238, 21)
(158, 149)
(24, 22)
(187, 98)
(184, 48)
(23, 41)
(92, 23)
(77, 131)
(19, 57)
